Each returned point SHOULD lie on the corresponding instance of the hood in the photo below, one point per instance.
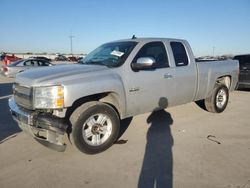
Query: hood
(56, 74)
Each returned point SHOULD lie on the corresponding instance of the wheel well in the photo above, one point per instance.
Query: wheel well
(109, 98)
(226, 80)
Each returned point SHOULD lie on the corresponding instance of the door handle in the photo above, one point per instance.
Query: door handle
(168, 76)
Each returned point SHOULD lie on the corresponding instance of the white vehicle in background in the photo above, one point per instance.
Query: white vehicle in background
(21, 65)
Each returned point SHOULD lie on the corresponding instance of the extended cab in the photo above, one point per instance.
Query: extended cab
(117, 80)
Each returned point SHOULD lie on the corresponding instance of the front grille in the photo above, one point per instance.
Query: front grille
(23, 96)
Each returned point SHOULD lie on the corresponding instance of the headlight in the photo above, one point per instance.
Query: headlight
(48, 97)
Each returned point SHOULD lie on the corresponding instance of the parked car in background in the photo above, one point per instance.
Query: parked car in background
(61, 58)
(244, 77)
(80, 59)
(8, 59)
(19, 66)
(42, 57)
(2, 56)
(72, 58)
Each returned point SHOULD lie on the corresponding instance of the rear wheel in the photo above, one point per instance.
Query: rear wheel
(95, 127)
(217, 102)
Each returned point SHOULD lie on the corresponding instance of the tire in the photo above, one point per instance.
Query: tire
(95, 127)
(217, 102)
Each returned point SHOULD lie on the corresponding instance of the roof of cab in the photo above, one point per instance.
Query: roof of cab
(149, 39)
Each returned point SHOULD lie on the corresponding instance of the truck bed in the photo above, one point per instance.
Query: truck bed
(209, 71)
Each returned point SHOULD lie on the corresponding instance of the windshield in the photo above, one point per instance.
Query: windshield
(15, 63)
(110, 54)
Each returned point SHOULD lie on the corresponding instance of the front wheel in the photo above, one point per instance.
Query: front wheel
(95, 127)
(217, 102)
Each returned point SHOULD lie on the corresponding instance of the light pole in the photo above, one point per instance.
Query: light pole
(71, 43)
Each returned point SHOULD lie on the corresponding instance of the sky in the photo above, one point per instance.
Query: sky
(45, 25)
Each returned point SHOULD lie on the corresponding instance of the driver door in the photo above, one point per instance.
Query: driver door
(151, 89)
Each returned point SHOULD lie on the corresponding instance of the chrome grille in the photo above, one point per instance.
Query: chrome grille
(23, 95)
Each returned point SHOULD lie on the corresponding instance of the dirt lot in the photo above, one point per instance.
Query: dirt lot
(156, 150)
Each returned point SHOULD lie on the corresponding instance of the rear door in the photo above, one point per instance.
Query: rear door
(185, 72)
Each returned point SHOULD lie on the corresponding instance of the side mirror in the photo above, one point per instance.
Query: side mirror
(143, 63)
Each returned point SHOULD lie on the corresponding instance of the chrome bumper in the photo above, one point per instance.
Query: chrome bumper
(20, 115)
(47, 135)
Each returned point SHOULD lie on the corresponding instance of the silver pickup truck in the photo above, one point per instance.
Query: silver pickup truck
(120, 79)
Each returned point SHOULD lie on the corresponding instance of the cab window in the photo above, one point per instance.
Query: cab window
(155, 50)
(180, 54)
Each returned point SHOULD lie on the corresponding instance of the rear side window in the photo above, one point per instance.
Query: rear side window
(180, 54)
(27, 63)
(43, 63)
(155, 50)
(32, 63)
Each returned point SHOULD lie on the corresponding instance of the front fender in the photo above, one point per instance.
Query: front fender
(109, 83)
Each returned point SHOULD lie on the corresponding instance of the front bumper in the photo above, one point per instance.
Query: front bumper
(45, 128)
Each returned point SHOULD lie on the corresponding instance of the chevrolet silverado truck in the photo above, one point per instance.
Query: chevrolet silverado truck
(85, 102)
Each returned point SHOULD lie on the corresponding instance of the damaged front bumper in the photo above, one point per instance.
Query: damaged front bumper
(47, 129)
